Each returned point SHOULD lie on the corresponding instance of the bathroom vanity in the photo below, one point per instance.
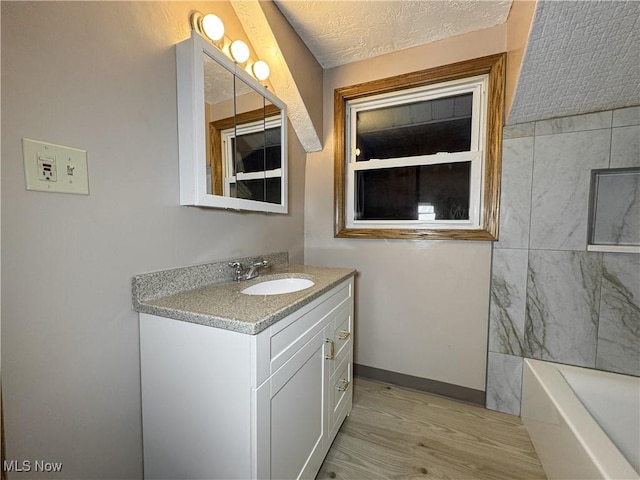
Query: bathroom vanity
(243, 386)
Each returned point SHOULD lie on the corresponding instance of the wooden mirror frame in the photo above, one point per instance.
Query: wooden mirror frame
(494, 67)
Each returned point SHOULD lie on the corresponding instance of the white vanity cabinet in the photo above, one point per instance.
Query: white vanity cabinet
(223, 404)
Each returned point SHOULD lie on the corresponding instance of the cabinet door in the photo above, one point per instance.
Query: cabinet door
(291, 413)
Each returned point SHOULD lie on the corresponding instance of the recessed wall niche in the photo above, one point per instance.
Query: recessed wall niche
(614, 210)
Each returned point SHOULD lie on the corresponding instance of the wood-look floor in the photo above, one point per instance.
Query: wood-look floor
(393, 433)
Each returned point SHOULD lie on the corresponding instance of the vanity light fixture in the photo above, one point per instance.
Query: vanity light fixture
(260, 70)
(211, 27)
(239, 51)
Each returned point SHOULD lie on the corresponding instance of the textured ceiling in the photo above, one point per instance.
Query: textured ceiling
(219, 83)
(582, 56)
(342, 31)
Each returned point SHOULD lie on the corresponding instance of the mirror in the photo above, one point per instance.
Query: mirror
(232, 134)
(246, 154)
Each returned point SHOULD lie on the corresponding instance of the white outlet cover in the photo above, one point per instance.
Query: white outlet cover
(66, 168)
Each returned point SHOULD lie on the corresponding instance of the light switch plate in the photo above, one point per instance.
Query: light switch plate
(55, 168)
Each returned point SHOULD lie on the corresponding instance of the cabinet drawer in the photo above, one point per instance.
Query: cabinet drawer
(284, 342)
(343, 333)
(341, 391)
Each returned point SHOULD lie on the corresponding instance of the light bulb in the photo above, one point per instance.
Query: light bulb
(212, 27)
(261, 70)
(239, 51)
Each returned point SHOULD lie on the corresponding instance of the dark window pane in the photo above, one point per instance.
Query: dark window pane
(419, 128)
(425, 192)
(251, 154)
(263, 190)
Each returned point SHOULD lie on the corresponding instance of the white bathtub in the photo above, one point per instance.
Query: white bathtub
(584, 424)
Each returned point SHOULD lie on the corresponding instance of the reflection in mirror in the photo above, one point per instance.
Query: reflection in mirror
(249, 154)
(219, 103)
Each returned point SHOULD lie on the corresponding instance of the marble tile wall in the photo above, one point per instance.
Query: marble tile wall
(563, 301)
(560, 190)
(550, 298)
(618, 347)
(508, 301)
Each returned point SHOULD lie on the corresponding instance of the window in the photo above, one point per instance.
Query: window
(418, 156)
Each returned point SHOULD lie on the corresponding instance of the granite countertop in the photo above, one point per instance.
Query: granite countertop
(222, 305)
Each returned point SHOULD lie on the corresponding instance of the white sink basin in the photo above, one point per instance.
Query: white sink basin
(278, 286)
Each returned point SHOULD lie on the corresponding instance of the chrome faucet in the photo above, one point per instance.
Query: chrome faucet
(247, 272)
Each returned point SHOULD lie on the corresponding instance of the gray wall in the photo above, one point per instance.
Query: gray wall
(550, 298)
(99, 76)
(421, 305)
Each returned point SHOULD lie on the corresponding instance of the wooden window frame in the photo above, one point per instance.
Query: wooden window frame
(494, 67)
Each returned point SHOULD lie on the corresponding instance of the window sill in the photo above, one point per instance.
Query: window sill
(415, 234)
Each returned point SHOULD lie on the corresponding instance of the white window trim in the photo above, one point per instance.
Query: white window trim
(475, 181)
(478, 87)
